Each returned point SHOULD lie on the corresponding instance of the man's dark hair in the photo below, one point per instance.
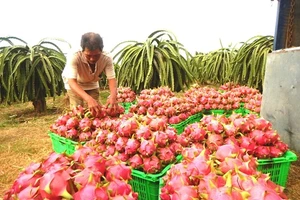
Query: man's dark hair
(92, 41)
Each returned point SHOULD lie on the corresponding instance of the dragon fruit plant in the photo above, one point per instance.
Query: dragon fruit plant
(226, 174)
(84, 175)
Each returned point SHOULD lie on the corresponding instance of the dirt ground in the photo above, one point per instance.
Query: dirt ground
(293, 183)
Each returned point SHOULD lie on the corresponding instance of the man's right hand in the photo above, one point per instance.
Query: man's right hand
(94, 106)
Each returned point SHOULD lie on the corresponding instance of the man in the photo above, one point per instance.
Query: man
(82, 73)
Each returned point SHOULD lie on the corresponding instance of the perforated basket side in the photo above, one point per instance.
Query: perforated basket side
(62, 145)
(278, 168)
(147, 190)
(148, 185)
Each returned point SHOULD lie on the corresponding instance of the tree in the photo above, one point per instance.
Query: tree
(249, 63)
(31, 73)
(156, 62)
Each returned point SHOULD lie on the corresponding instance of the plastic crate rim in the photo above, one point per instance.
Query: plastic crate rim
(155, 177)
(288, 156)
(54, 135)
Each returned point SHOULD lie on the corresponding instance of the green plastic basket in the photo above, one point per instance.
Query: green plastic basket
(195, 118)
(192, 119)
(180, 126)
(127, 105)
(278, 168)
(241, 111)
(214, 112)
(217, 112)
(247, 112)
(63, 145)
(148, 185)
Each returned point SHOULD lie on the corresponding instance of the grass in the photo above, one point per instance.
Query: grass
(24, 138)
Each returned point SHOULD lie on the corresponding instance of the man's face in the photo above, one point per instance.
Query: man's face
(92, 56)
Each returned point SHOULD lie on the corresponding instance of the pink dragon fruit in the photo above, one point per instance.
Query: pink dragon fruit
(132, 146)
(118, 171)
(152, 164)
(91, 191)
(147, 148)
(136, 161)
(166, 155)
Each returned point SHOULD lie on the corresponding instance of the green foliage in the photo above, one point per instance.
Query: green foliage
(250, 61)
(213, 67)
(30, 73)
(156, 62)
(244, 65)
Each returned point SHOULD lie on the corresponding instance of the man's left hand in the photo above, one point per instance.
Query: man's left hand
(111, 102)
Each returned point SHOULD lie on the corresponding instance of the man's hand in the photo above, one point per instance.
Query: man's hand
(111, 101)
(94, 106)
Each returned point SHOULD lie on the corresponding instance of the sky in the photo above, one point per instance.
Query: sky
(199, 25)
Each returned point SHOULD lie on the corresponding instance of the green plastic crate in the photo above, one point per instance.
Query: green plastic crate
(161, 185)
(217, 112)
(148, 185)
(195, 118)
(127, 105)
(241, 111)
(213, 112)
(278, 168)
(63, 145)
(181, 126)
(206, 112)
(247, 112)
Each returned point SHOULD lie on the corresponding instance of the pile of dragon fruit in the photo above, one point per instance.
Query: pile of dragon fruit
(84, 175)
(226, 97)
(163, 102)
(125, 95)
(79, 123)
(220, 152)
(227, 173)
(145, 143)
(253, 134)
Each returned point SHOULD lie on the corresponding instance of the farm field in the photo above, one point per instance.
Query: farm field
(24, 139)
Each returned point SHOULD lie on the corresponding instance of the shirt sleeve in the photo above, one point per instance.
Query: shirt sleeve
(70, 70)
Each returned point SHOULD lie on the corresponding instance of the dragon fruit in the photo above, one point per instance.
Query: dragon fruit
(147, 148)
(136, 161)
(118, 171)
(152, 164)
(166, 155)
(84, 175)
(132, 146)
(91, 191)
